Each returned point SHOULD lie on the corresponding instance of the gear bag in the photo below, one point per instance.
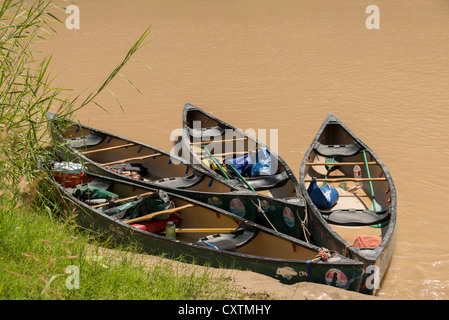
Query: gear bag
(323, 197)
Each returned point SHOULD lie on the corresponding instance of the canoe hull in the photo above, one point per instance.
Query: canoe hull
(287, 271)
(286, 188)
(382, 189)
(285, 215)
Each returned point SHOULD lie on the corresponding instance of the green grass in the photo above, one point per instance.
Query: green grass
(37, 252)
(39, 242)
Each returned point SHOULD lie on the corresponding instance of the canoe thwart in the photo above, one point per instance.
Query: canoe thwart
(130, 159)
(204, 230)
(346, 179)
(205, 142)
(339, 163)
(108, 148)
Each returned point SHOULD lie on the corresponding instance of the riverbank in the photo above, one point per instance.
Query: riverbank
(48, 257)
(250, 285)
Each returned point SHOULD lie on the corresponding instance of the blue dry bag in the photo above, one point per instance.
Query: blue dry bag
(263, 165)
(242, 164)
(323, 197)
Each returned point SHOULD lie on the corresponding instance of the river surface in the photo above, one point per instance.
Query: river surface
(263, 64)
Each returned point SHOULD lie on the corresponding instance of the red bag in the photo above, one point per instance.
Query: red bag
(157, 225)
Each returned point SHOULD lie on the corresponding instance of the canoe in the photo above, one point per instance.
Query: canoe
(211, 141)
(100, 152)
(202, 233)
(360, 220)
(105, 153)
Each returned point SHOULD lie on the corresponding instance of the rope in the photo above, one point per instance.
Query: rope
(305, 222)
(347, 250)
(260, 210)
(324, 255)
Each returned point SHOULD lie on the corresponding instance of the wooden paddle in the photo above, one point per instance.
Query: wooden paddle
(121, 200)
(154, 214)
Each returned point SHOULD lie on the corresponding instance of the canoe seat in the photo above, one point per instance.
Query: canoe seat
(229, 241)
(355, 217)
(180, 182)
(216, 131)
(90, 140)
(330, 150)
(268, 182)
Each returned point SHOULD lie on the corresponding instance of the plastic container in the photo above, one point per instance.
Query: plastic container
(358, 175)
(170, 230)
(68, 174)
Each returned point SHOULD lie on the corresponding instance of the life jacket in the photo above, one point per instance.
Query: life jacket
(132, 170)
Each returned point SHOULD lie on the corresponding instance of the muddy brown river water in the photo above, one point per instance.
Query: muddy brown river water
(285, 65)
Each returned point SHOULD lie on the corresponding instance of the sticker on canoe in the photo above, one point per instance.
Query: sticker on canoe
(237, 207)
(336, 278)
(289, 218)
(214, 201)
(265, 205)
(289, 272)
(286, 272)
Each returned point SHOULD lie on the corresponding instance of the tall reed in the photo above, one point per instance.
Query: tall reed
(27, 94)
(36, 247)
